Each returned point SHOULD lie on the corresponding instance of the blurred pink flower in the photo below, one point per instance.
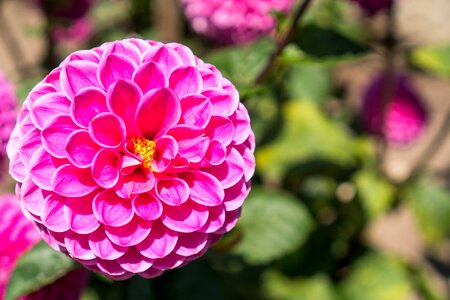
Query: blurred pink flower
(18, 235)
(405, 116)
(65, 9)
(8, 113)
(78, 31)
(234, 21)
(372, 7)
(133, 157)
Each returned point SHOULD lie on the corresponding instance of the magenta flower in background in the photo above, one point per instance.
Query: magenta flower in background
(233, 21)
(8, 113)
(79, 31)
(405, 115)
(372, 7)
(18, 235)
(133, 157)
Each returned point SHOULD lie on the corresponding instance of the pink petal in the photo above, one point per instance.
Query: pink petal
(54, 79)
(223, 104)
(79, 215)
(81, 149)
(185, 80)
(55, 133)
(88, 55)
(159, 243)
(172, 191)
(78, 246)
(88, 103)
(196, 110)
(149, 76)
(42, 169)
(165, 151)
(249, 160)
(37, 92)
(165, 57)
(216, 153)
(231, 218)
(123, 99)
(151, 273)
(204, 188)
(241, 122)
(135, 183)
(134, 262)
(158, 111)
(191, 243)
(220, 129)
(210, 79)
(47, 106)
(103, 247)
(235, 195)
(187, 217)
(32, 198)
(29, 144)
(192, 143)
(130, 234)
(17, 169)
(185, 54)
(170, 261)
(112, 210)
(113, 269)
(53, 215)
(107, 130)
(230, 171)
(105, 168)
(216, 219)
(78, 74)
(114, 67)
(124, 48)
(147, 207)
(71, 181)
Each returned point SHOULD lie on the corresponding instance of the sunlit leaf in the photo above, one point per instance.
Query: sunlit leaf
(434, 59)
(273, 224)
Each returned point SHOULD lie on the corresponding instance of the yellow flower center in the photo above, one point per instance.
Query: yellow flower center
(145, 149)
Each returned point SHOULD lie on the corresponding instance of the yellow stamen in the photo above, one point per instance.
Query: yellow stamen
(145, 149)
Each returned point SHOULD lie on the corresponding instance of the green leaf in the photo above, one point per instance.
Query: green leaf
(273, 224)
(435, 60)
(38, 267)
(431, 205)
(277, 286)
(242, 64)
(306, 134)
(377, 277)
(376, 193)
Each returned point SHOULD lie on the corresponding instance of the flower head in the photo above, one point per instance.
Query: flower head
(234, 21)
(18, 235)
(372, 7)
(8, 113)
(404, 116)
(133, 157)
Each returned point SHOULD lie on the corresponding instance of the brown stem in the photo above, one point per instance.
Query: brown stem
(283, 41)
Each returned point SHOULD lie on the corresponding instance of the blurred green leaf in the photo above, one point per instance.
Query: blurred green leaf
(431, 205)
(242, 64)
(376, 277)
(376, 193)
(277, 286)
(306, 134)
(39, 266)
(273, 224)
(435, 60)
(310, 82)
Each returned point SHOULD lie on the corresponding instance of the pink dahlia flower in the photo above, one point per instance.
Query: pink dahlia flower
(133, 157)
(405, 115)
(18, 235)
(8, 113)
(234, 21)
(372, 7)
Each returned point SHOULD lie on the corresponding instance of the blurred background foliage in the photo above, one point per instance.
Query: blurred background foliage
(334, 214)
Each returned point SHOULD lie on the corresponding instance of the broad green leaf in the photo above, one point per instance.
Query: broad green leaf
(306, 134)
(242, 64)
(277, 286)
(376, 277)
(431, 205)
(376, 193)
(38, 267)
(273, 224)
(434, 59)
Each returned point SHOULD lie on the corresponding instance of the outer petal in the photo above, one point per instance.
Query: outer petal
(223, 103)
(130, 234)
(204, 188)
(185, 80)
(29, 144)
(191, 243)
(88, 103)
(134, 262)
(103, 247)
(230, 171)
(78, 246)
(52, 213)
(159, 243)
(197, 110)
(235, 195)
(112, 210)
(77, 75)
(81, 149)
(166, 58)
(42, 169)
(55, 133)
(192, 143)
(47, 106)
(220, 129)
(187, 217)
(149, 76)
(114, 67)
(32, 198)
(172, 191)
(165, 111)
(79, 215)
(216, 219)
(71, 181)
